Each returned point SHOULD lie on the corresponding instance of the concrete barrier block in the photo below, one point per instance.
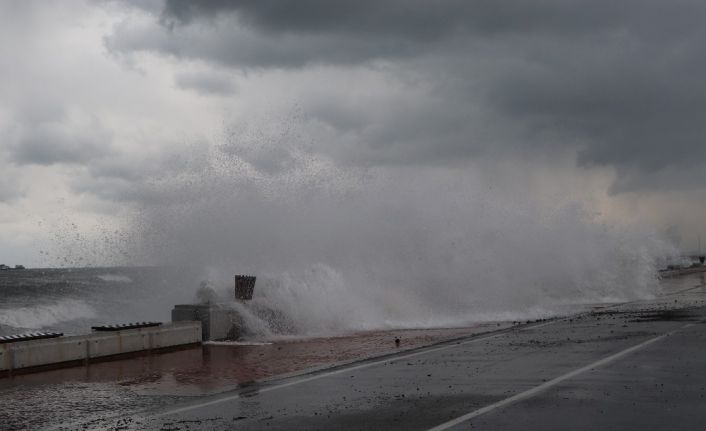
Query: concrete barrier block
(4, 358)
(104, 345)
(32, 353)
(176, 334)
(40, 352)
(218, 321)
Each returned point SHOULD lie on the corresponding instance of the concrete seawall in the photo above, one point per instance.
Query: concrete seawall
(63, 350)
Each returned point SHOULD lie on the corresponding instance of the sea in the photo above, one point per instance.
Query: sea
(71, 300)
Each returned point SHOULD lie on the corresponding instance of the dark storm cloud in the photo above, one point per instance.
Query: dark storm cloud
(415, 20)
(635, 104)
(293, 34)
(618, 82)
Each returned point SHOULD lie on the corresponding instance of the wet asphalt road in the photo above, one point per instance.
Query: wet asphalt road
(629, 367)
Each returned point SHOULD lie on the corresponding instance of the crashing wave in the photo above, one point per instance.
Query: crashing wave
(45, 315)
(115, 278)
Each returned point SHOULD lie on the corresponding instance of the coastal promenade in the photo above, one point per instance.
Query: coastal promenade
(635, 365)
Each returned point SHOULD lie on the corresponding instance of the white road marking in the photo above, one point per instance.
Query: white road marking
(342, 371)
(544, 386)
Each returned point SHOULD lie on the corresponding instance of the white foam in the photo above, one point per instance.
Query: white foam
(337, 249)
(115, 278)
(41, 316)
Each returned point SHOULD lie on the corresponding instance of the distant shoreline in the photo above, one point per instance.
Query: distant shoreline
(4, 267)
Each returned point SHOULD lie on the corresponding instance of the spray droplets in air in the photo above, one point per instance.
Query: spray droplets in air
(339, 248)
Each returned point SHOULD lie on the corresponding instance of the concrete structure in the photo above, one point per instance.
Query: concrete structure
(65, 350)
(218, 321)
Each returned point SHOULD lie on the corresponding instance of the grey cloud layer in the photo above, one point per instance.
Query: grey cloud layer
(51, 143)
(619, 82)
(253, 33)
(205, 83)
(409, 20)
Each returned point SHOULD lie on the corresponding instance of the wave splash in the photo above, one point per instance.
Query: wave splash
(46, 315)
(115, 278)
(339, 248)
(321, 301)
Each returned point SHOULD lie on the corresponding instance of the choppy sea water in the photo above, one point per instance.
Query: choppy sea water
(72, 300)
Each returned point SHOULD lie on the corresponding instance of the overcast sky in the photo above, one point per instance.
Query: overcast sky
(103, 103)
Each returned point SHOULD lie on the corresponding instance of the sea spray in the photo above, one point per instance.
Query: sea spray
(338, 249)
(46, 315)
(342, 248)
(116, 278)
